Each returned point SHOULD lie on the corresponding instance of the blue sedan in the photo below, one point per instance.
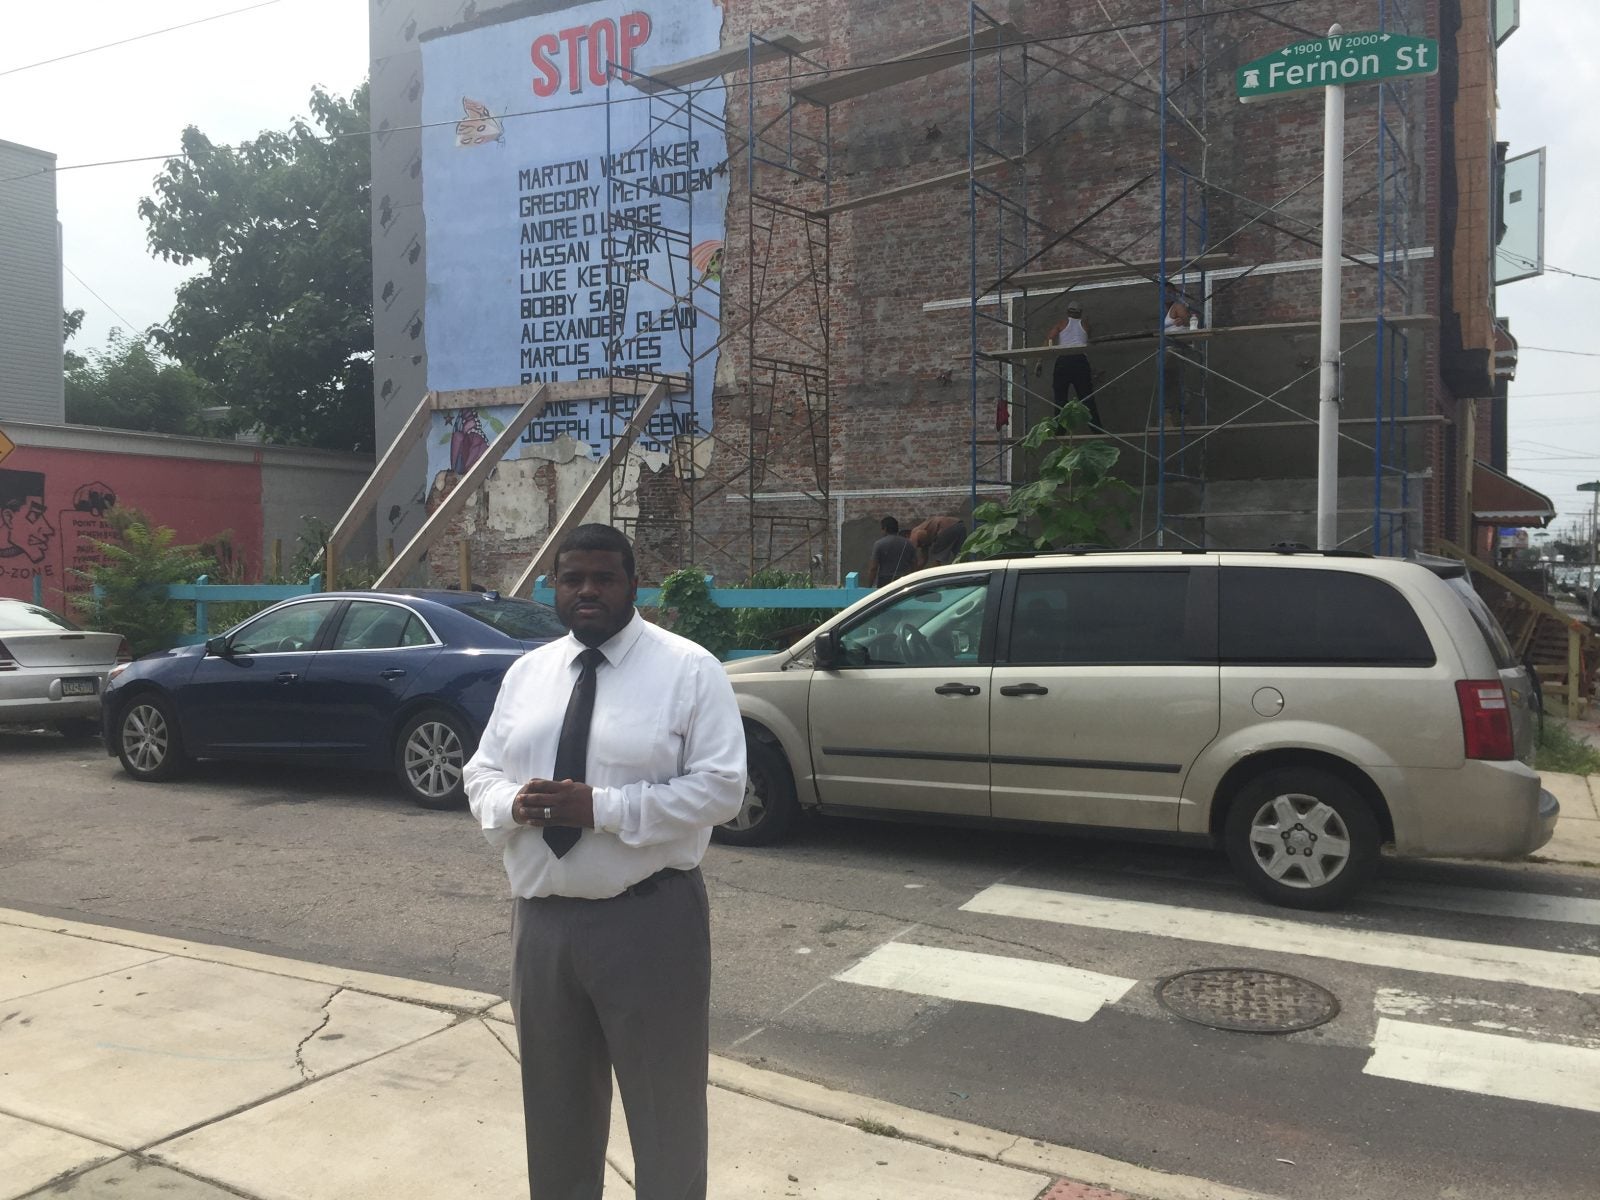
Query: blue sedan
(401, 680)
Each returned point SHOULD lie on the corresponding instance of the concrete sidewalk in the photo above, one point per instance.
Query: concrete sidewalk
(1577, 836)
(138, 1067)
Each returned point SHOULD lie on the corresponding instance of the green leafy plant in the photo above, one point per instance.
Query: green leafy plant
(694, 614)
(129, 584)
(776, 628)
(1074, 501)
(1561, 751)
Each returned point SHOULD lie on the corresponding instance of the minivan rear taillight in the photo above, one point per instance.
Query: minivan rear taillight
(124, 651)
(7, 663)
(1485, 719)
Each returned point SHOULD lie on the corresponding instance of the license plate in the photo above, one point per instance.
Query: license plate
(77, 687)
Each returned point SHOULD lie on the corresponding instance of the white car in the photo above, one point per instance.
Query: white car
(53, 672)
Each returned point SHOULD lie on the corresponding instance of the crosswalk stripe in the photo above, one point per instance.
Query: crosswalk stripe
(1530, 906)
(1040, 987)
(1437, 956)
(1488, 1063)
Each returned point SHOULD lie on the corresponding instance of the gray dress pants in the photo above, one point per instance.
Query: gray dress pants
(621, 984)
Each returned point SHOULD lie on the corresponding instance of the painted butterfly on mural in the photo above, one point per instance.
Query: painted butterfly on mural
(478, 127)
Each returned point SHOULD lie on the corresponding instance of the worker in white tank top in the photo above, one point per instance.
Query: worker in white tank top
(1072, 373)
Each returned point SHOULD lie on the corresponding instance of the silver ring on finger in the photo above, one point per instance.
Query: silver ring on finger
(548, 813)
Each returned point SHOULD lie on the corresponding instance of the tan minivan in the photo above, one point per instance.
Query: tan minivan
(1301, 709)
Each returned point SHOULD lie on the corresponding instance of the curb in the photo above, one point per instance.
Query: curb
(958, 1137)
(732, 1075)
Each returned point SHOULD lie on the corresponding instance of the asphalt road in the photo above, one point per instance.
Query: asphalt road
(340, 869)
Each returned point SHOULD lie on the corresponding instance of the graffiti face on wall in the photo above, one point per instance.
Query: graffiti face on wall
(25, 528)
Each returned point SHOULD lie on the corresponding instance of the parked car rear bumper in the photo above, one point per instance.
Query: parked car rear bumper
(34, 694)
(1478, 810)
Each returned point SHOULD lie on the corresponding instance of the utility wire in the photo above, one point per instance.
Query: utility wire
(138, 37)
(854, 68)
(1553, 350)
(126, 323)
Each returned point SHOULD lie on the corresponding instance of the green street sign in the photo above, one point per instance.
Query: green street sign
(1339, 58)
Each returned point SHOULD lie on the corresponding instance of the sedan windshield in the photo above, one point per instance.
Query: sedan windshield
(515, 618)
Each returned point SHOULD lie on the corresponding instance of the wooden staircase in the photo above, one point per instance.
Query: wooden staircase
(1561, 648)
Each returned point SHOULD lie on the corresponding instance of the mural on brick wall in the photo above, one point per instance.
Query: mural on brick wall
(569, 238)
(55, 513)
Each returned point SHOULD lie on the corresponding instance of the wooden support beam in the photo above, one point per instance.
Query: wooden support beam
(413, 432)
(452, 504)
(586, 497)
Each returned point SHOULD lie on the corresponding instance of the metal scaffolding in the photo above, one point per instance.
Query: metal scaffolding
(768, 451)
(1198, 386)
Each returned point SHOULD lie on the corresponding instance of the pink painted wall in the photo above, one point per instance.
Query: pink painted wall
(54, 503)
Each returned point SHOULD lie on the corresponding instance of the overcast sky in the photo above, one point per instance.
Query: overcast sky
(241, 74)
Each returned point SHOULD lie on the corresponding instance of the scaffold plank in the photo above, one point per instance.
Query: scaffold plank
(1198, 335)
(1095, 272)
(1173, 431)
(912, 189)
(780, 43)
(928, 60)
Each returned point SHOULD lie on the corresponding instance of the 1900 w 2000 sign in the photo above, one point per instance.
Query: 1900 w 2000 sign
(1337, 59)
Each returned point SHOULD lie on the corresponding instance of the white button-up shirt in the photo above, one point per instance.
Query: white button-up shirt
(666, 761)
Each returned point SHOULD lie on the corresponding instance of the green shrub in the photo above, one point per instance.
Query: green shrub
(776, 628)
(694, 615)
(129, 585)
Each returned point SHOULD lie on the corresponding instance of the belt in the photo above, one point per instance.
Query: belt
(645, 886)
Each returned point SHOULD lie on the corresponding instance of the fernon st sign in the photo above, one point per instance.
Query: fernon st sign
(1341, 58)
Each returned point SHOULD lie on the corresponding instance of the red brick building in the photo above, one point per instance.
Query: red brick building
(915, 195)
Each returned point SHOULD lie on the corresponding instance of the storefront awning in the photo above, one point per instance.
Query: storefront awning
(1498, 499)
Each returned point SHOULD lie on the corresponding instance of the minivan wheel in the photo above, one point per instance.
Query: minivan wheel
(770, 807)
(430, 757)
(1302, 837)
(148, 741)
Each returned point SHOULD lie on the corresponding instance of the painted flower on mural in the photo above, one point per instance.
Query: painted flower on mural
(706, 258)
(477, 128)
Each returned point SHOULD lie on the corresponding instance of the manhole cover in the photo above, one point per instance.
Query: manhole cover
(1247, 1000)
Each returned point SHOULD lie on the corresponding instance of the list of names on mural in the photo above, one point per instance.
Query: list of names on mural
(598, 292)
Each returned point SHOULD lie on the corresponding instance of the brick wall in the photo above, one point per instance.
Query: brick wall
(898, 436)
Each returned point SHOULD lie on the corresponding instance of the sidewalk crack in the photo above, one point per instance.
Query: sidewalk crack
(299, 1051)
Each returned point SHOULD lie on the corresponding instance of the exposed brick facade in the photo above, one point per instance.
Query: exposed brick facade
(900, 425)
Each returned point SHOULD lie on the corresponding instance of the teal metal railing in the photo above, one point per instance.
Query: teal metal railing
(202, 593)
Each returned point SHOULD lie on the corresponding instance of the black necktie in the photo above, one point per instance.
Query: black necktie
(572, 750)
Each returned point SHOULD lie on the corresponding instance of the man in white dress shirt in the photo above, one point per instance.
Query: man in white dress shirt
(609, 756)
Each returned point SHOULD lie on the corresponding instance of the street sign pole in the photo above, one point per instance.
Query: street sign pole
(1328, 392)
(1330, 63)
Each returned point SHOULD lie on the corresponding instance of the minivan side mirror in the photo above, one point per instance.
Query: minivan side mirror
(219, 646)
(825, 651)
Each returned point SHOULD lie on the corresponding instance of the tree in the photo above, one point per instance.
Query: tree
(280, 321)
(125, 386)
(71, 322)
(1073, 502)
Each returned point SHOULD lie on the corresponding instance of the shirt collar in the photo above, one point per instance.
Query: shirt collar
(615, 649)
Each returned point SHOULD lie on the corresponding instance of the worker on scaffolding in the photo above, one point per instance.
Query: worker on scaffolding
(1071, 337)
(1180, 318)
